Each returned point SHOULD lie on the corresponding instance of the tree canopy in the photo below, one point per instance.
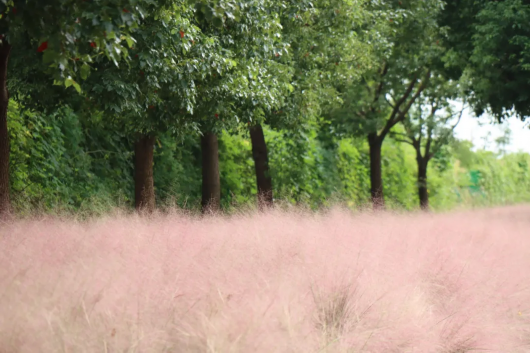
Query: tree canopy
(345, 100)
(488, 41)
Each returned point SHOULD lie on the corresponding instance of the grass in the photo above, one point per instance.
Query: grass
(282, 281)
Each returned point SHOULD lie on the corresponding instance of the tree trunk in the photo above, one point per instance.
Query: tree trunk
(261, 163)
(211, 184)
(144, 188)
(5, 202)
(376, 178)
(422, 185)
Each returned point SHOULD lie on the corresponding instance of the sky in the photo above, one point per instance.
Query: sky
(483, 131)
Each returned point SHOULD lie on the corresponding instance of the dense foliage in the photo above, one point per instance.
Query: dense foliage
(351, 96)
(488, 41)
(62, 163)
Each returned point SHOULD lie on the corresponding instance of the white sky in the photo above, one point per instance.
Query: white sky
(484, 130)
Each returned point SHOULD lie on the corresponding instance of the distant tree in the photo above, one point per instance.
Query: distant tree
(405, 39)
(322, 46)
(429, 126)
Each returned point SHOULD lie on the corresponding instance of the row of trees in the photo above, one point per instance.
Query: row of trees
(61, 164)
(145, 68)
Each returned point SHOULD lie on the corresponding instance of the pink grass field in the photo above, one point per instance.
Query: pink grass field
(283, 281)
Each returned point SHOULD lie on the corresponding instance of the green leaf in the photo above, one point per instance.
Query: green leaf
(85, 71)
(130, 41)
(68, 82)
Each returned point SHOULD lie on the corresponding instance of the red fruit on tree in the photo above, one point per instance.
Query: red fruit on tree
(93, 45)
(217, 116)
(125, 10)
(42, 47)
(181, 34)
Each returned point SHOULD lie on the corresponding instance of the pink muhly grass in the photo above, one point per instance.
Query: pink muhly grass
(280, 281)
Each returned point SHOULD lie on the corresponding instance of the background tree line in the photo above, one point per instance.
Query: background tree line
(207, 104)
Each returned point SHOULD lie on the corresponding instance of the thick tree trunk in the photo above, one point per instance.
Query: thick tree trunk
(376, 178)
(261, 163)
(144, 188)
(422, 185)
(211, 184)
(5, 202)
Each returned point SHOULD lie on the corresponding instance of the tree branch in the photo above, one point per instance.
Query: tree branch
(390, 104)
(434, 109)
(439, 142)
(423, 85)
(395, 134)
(404, 141)
(391, 122)
(428, 144)
(381, 83)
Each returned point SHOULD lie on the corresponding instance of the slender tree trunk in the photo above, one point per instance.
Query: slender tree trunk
(422, 185)
(211, 184)
(144, 188)
(261, 163)
(376, 178)
(5, 202)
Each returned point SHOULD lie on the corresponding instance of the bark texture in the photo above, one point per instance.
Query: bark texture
(211, 184)
(261, 163)
(423, 192)
(376, 176)
(144, 188)
(5, 202)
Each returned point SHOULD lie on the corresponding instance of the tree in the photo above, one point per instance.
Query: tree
(405, 49)
(321, 45)
(157, 90)
(488, 43)
(211, 184)
(261, 165)
(253, 87)
(429, 126)
(63, 34)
